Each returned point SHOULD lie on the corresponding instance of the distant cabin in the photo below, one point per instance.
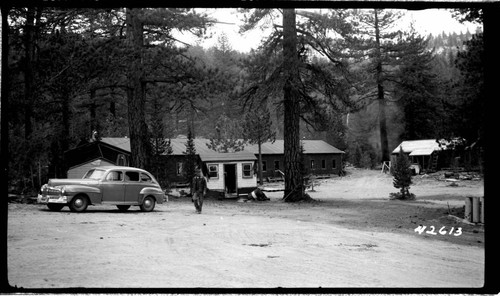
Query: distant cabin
(229, 172)
(424, 154)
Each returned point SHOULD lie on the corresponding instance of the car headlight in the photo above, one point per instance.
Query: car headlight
(63, 191)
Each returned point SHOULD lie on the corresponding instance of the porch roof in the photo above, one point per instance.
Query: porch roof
(227, 157)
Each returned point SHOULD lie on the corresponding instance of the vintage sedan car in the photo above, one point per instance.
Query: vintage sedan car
(116, 185)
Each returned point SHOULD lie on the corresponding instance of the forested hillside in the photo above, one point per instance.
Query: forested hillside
(424, 110)
(75, 73)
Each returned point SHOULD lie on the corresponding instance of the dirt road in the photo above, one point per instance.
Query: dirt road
(352, 237)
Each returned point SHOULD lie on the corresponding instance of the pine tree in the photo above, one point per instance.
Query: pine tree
(190, 162)
(161, 146)
(402, 177)
(379, 52)
(257, 130)
(302, 88)
(418, 89)
(227, 137)
(141, 27)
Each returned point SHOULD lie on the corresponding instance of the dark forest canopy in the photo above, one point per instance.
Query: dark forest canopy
(122, 72)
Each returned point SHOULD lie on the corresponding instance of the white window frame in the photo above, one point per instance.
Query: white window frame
(216, 171)
(249, 171)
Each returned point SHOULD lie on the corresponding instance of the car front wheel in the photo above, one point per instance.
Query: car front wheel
(79, 203)
(148, 204)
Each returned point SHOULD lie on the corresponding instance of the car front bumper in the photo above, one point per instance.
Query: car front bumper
(46, 199)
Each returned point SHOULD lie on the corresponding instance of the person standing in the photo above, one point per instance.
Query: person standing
(199, 189)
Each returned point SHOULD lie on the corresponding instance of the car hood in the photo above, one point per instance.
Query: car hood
(59, 182)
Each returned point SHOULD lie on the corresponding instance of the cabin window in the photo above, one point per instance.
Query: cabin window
(213, 171)
(323, 164)
(179, 168)
(264, 166)
(312, 163)
(276, 165)
(121, 160)
(334, 164)
(247, 170)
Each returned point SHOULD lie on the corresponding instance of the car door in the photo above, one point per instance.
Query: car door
(113, 187)
(133, 186)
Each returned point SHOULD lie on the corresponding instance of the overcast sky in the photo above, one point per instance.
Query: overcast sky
(430, 21)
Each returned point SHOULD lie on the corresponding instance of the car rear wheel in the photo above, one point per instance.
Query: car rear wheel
(123, 208)
(55, 207)
(79, 203)
(148, 204)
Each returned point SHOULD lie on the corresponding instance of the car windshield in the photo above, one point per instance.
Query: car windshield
(94, 174)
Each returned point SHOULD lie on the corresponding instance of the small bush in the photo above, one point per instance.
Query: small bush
(398, 195)
(402, 177)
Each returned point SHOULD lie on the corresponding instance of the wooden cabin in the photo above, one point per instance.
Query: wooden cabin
(91, 154)
(320, 158)
(232, 174)
(423, 154)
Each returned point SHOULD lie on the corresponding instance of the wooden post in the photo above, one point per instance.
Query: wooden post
(468, 209)
(482, 209)
(475, 210)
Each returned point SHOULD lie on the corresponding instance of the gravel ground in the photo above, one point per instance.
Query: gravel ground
(352, 235)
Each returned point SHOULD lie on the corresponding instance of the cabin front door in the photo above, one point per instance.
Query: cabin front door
(230, 178)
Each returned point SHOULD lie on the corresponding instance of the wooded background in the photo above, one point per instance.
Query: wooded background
(347, 76)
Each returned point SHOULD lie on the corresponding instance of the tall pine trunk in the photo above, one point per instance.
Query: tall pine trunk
(293, 177)
(28, 71)
(4, 143)
(136, 97)
(384, 143)
(66, 129)
(29, 37)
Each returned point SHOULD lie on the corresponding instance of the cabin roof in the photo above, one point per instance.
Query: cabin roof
(310, 147)
(418, 147)
(200, 144)
(89, 151)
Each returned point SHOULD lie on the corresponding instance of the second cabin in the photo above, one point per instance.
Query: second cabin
(231, 174)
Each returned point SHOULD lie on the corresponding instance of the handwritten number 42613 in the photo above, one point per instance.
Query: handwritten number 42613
(443, 231)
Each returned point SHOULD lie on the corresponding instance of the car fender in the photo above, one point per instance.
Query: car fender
(156, 192)
(93, 193)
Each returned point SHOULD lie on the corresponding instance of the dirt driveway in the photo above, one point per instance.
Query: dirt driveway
(352, 236)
